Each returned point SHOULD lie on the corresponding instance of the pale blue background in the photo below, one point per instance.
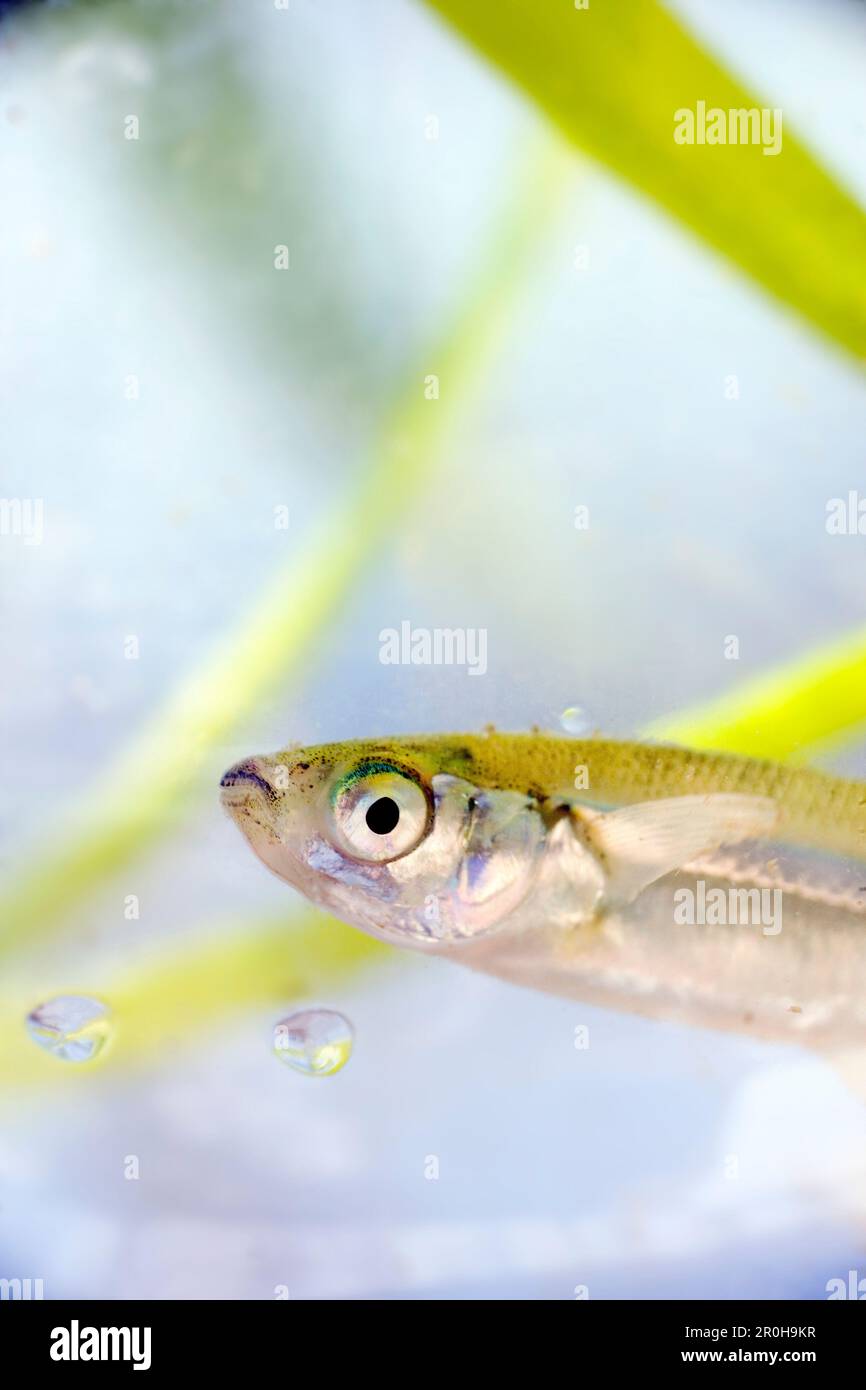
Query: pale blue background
(557, 1167)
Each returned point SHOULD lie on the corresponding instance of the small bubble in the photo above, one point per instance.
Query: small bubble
(72, 1027)
(575, 720)
(316, 1042)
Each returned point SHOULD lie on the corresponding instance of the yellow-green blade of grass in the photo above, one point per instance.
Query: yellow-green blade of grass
(144, 794)
(613, 76)
(788, 713)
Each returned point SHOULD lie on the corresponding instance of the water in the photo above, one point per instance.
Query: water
(72, 1027)
(575, 720)
(316, 1042)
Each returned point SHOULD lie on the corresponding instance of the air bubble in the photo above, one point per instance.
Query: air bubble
(575, 720)
(72, 1027)
(315, 1042)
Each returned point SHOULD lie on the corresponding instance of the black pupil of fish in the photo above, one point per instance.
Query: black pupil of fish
(383, 815)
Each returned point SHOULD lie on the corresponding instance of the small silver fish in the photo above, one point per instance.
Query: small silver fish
(712, 890)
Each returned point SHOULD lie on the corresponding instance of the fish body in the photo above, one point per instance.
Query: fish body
(704, 888)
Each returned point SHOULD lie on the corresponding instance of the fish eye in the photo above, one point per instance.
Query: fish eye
(380, 812)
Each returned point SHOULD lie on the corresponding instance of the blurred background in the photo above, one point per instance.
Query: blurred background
(250, 472)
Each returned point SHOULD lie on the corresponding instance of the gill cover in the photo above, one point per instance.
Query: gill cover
(426, 864)
(502, 840)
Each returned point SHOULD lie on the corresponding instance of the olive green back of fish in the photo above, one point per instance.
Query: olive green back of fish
(816, 809)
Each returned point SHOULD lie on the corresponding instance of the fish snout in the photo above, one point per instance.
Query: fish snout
(244, 777)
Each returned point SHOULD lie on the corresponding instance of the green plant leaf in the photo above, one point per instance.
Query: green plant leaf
(612, 76)
(816, 700)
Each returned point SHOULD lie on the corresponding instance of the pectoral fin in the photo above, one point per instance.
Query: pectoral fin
(639, 844)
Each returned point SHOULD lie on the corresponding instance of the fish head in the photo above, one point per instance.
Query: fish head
(395, 838)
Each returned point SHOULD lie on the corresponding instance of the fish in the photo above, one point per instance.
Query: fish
(697, 887)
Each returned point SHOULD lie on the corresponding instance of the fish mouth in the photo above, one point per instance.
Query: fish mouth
(244, 782)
